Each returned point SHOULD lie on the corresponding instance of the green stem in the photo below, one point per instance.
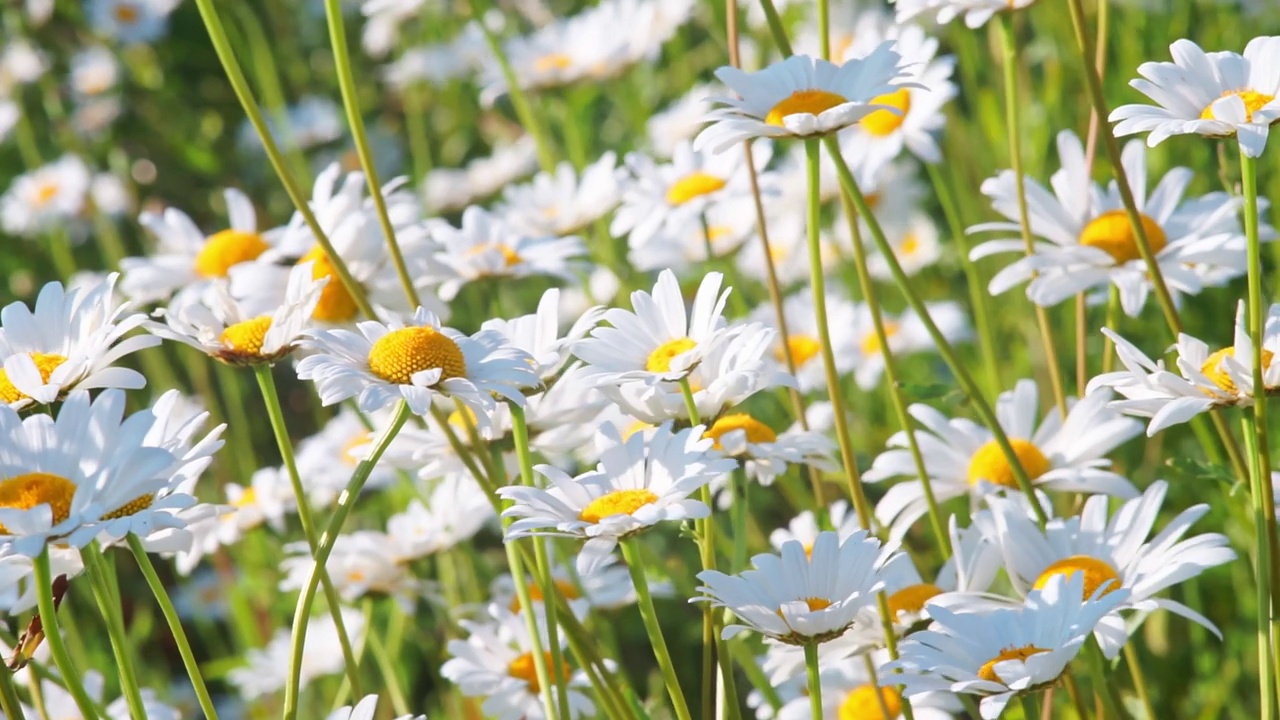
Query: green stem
(1258, 479)
(739, 486)
(9, 703)
(390, 674)
(631, 553)
(1139, 679)
(57, 646)
(1030, 709)
(109, 606)
(815, 680)
(347, 500)
(707, 555)
(1102, 684)
(265, 69)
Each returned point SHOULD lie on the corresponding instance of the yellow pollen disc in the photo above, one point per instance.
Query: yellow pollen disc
(523, 668)
(1212, 368)
(861, 704)
(1096, 573)
(246, 337)
(509, 255)
(567, 590)
(554, 61)
(871, 343)
(693, 185)
(813, 603)
(399, 354)
(336, 304)
(227, 248)
(757, 432)
(126, 13)
(1253, 102)
(46, 192)
(884, 122)
(989, 463)
(46, 363)
(813, 102)
(638, 426)
(134, 506)
(660, 359)
(618, 502)
(23, 492)
(801, 348)
(910, 245)
(1112, 233)
(987, 671)
(911, 599)
(715, 232)
(359, 440)
(355, 576)
(247, 498)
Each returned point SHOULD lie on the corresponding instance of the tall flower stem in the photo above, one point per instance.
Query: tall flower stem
(235, 76)
(1139, 678)
(302, 613)
(644, 600)
(1030, 708)
(275, 413)
(1102, 686)
(109, 606)
(541, 668)
(1009, 45)
(738, 485)
(1259, 478)
(9, 696)
(815, 680)
(351, 104)
(57, 646)
(175, 627)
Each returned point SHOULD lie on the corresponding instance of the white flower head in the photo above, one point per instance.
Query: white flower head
(563, 202)
(46, 197)
(539, 334)
(365, 710)
(267, 669)
(455, 188)
(976, 13)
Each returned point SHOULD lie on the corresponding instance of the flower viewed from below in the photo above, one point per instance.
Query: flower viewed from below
(976, 12)
(801, 596)
(801, 96)
(1217, 94)
(997, 653)
(765, 453)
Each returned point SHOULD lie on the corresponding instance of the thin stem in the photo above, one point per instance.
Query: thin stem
(1258, 478)
(738, 485)
(631, 553)
(9, 703)
(815, 680)
(109, 606)
(1030, 709)
(1112, 320)
(1082, 342)
(707, 556)
(302, 614)
(873, 678)
(57, 646)
(541, 668)
(1102, 686)
(1139, 679)
(390, 674)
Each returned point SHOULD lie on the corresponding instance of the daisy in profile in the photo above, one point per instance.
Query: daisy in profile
(1205, 378)
(563, 203)
(416, 361)
(1216, 94)
(539, 333)
(1089, 243)
(1002, 652)
(366, 709)
(801, 597)
(266, 670)
(486, 247)
(72, 339)
(446, 189)
(801, 96)
(765, 453)
(963, 459)
(976, 13)
(638, 483)
(46, 197)
(678, 121)
(187, 259)
(660, 339)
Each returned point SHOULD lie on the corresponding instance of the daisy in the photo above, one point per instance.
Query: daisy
(70, 340)
(802, 342)
(266, 670)
(999, 653)
(679, 121)
(906, 334)
(1090, 243)
(45, 198)
(131, 21)
(17, 579)
(660, 339)
(327, 459)
(362, 563)
(608, 588)
(365, 710)
(485, 246)
(915, 245)
(268, 498)
(231, 333)
(976, 12)
(639, 482)
(186, 259)
(804, 529)
(446, 189)
(801, 597)
(563, 203)
(1213, 94)
(686, 242)
(383, 19)
(963, 460)
(439, 63)
(1204, 379)
(799, 97)
(382, 363)
(457, 509)
(764, 453)
(539, 334)
(21, 63)
(57, 702)
(95, 71)
(1113, 553)
(849, 693)
(496, 663)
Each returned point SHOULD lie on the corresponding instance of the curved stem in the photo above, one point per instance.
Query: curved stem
(707, 555)
(57, 646)
(109, 606)
(1030, 709)
(815, 680)
(644, 600)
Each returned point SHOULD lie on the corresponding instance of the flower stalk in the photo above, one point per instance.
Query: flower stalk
(631, 553)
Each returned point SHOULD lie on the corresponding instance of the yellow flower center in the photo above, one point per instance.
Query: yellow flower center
(134, 506)
(861, 704)
(812, 102)
(802, 348)
(336, 304)
(399, 354)
(359, 440)
(509, 255)
(884, 122)
(910, 245)
(566, 589)
(1112, 233)
(660, 359)
(1253, 102)
(911, 599)
(46, 363)
(638, 426)
(989, 463)
(228, 248)
(126, 13)
(246, 337)
(813, 603)
(46, 192)
(1212, 368)
(871, 342)
(988, 670)
(26, 491)
(248, 498)
(1096, 573)
(695, 184)
(552, 61)
(618, 502)
(757, 432)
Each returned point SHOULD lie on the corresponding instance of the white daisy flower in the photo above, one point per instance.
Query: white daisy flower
(382, 22)
(564, 202)
(266, 670)
(660, 339)
(801, 597)
(1216, 94)
(130, 21)
(313, 120)
(915, 245)
(539, 333)
(686, 242)
(999, 653)
(804, 529)
(268, 498)
(439, 63)
(976, 12)
(95, 71)
(963, 459)
(849, 693)
(366, 562)
(802, 336)
(446, 189)
(764, 453)
(496, 663)
(456, 510)
(486, 247)
(1204, 379)
(1112, 553)
(70, 340)
(799, 97)
(365, 710)
(638, 483)
(327, 459)
(21, 63)
(17, 579)
(608, 588)
(188, 260)
(906, 334)
(679, 121)
(1090, 243)
(45, 198)
(382, 363)
(57, 702)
